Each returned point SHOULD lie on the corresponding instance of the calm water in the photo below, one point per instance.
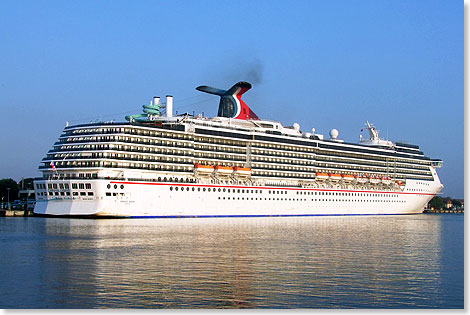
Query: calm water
(306, 262)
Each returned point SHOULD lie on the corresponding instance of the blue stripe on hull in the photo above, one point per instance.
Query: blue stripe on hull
(265, 215)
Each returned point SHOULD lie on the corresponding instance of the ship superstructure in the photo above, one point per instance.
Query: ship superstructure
(235, 164)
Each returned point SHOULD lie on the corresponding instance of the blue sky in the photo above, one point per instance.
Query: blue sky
(322, 64)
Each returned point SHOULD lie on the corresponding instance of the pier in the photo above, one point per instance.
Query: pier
(435, 211)
(15, 213)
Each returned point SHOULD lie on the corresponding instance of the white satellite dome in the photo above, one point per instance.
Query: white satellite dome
(313, 130)
(296, 126)
(334, 133)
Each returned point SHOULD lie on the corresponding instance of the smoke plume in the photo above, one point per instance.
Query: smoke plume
(246, 70)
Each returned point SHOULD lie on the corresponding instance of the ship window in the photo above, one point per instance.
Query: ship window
(171, 188)
(90, 193)
(88, 186)
(75, 193)
(176, 188)
(107, 194)
(82, 193)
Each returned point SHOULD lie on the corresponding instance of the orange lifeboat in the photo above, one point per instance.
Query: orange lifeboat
(362, 179)
(335, 177)
(348, 178)
(203, 169)
(375, 179)
(242, 171)
(321, 176)
(400, 183)
(223, 170)
(386, 180)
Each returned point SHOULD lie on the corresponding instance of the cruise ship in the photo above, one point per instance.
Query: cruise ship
(156, 164)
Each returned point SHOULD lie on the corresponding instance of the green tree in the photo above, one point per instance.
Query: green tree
(436, 203)
(6, 183)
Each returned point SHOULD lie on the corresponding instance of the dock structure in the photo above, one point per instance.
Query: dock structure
(15, 213)
(434, 211)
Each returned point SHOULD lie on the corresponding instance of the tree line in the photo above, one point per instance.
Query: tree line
(9, 187)
(439, 203)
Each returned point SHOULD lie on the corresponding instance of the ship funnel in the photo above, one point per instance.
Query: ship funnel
(169, 106)
(156, 100)
(231, 104)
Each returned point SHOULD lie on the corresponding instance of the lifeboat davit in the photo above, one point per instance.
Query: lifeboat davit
(386, 180)
(335, 177)
(321, 176)
(242, 171)
(223, 170)
(203, 169)
(348, 178)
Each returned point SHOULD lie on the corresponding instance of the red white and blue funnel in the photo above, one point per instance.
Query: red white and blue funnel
(231, 104)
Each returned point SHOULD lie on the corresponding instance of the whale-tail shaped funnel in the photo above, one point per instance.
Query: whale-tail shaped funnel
(231, 104)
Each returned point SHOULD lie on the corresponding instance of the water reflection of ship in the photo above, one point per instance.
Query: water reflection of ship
(237, 263)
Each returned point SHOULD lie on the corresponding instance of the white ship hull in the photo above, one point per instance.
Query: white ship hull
(169, 200)
(234, 164)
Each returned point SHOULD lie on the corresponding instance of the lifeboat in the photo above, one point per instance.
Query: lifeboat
(400, 183)
(386, 180)
(242, 171)
(203, 169)
(348, 178)
(375, 179)
(362, 179)
(321, 176)
(223, 170)
(335, 177)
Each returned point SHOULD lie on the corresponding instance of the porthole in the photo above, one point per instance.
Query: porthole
(115, 186)
(109, 186)
(171, 187)
(122, 186)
